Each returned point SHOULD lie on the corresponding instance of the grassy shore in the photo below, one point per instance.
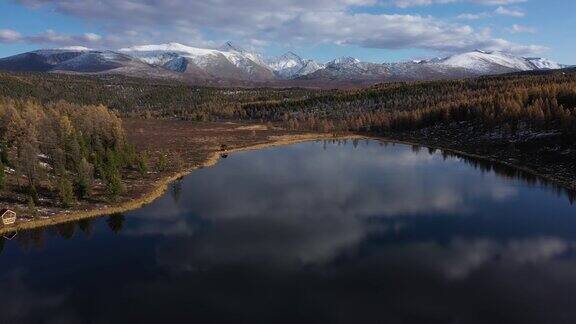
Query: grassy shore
(201, 145)
(156, 186)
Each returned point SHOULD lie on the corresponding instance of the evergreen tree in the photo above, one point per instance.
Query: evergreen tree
(162, 163)
(32, 207)
(33, 195)
(65, 192)
(142, 164)
(2, 175)
(114, 186)
(83, 182)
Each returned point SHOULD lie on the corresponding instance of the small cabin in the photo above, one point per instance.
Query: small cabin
(7, 216)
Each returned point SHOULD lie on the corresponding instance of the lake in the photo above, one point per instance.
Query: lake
(336, 232)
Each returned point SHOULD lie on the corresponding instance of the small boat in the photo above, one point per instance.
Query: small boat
(8, 216)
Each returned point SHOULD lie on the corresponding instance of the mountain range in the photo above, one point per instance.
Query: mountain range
(232, 65)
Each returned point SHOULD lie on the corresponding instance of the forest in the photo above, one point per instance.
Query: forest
(534, 102)
(144, 98)
(64, 134)
(62, 148)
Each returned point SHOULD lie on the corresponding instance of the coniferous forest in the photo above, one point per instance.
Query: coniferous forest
(535, 102)
(62, 147)
(62, 133)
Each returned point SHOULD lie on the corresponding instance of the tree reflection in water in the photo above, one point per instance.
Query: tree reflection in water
(116, 223)
(176, 190)
(86, 226)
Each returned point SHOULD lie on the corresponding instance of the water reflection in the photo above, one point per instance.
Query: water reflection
(335, 231)
(176, 190)
(116, 223)
(86, 226)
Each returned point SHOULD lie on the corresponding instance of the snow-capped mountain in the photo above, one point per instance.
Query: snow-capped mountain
(465, 65)
(38, 61)
(291, 65)
(495, 62)
(310, 66)
(545, 64)
(230, 47)
(231, 64)
(348, 68)
(228, 62)
(75, 59)
(417, 71)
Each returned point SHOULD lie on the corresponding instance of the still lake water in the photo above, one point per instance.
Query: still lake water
(314, 232)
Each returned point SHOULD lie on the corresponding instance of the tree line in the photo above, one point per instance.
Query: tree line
(62, 148)
(539, 102)
(131, 97)
(514, 103)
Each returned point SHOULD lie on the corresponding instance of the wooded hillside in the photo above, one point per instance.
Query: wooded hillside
(534, 101)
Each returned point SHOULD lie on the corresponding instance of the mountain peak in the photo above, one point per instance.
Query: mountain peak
(345, 60)
(234, 63)
(176, 47)
(74, 48)
(230, 46)
(494, 62)
(291, 55)
(544, 64)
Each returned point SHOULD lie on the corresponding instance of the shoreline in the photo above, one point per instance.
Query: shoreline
(162, 185)
(560, 183)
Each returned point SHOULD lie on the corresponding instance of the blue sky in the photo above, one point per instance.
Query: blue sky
(372, 30)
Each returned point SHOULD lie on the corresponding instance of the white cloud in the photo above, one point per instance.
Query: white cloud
(414, 3)
(53, 38)
(258, 22)
(516, 29)
(473, 16)
(9, 36)
(498, 2)
(398, 31)
(503, 11)
(462, 257)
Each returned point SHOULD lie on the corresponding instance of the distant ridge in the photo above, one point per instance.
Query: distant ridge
(232, 64)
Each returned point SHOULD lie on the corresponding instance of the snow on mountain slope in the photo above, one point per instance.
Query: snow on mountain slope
(163, 53)
(471, 64)
(75, 48)
(344, 61)
(287, 65)
(348, 68)
(544, 64)
(229, 61)
(421, 70)
(310, 66)
(231, 64)
(291, 65)
(170, 47)
(230, 47)
(38, 61)
(94, 61)
(496, 62)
